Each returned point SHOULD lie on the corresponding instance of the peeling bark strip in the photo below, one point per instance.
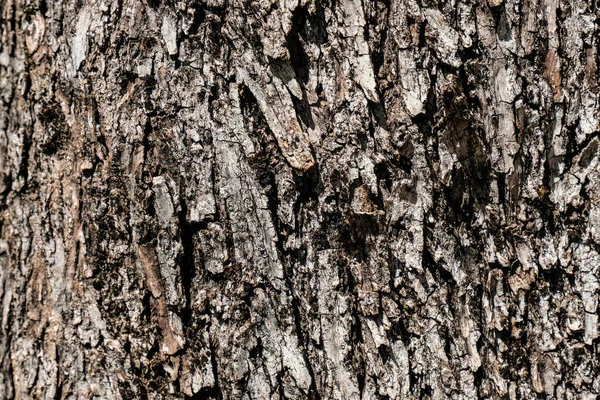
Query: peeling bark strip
(299, 199)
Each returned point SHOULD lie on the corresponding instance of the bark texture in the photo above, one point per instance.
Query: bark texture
(291, 199)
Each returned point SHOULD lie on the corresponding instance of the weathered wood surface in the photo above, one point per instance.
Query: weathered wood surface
(378, 199)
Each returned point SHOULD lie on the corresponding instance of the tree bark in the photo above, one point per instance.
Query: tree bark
(309, 199)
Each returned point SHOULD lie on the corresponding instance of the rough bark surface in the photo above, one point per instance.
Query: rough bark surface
(235, 199)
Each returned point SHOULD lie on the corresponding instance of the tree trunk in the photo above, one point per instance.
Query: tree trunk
(235, 199)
